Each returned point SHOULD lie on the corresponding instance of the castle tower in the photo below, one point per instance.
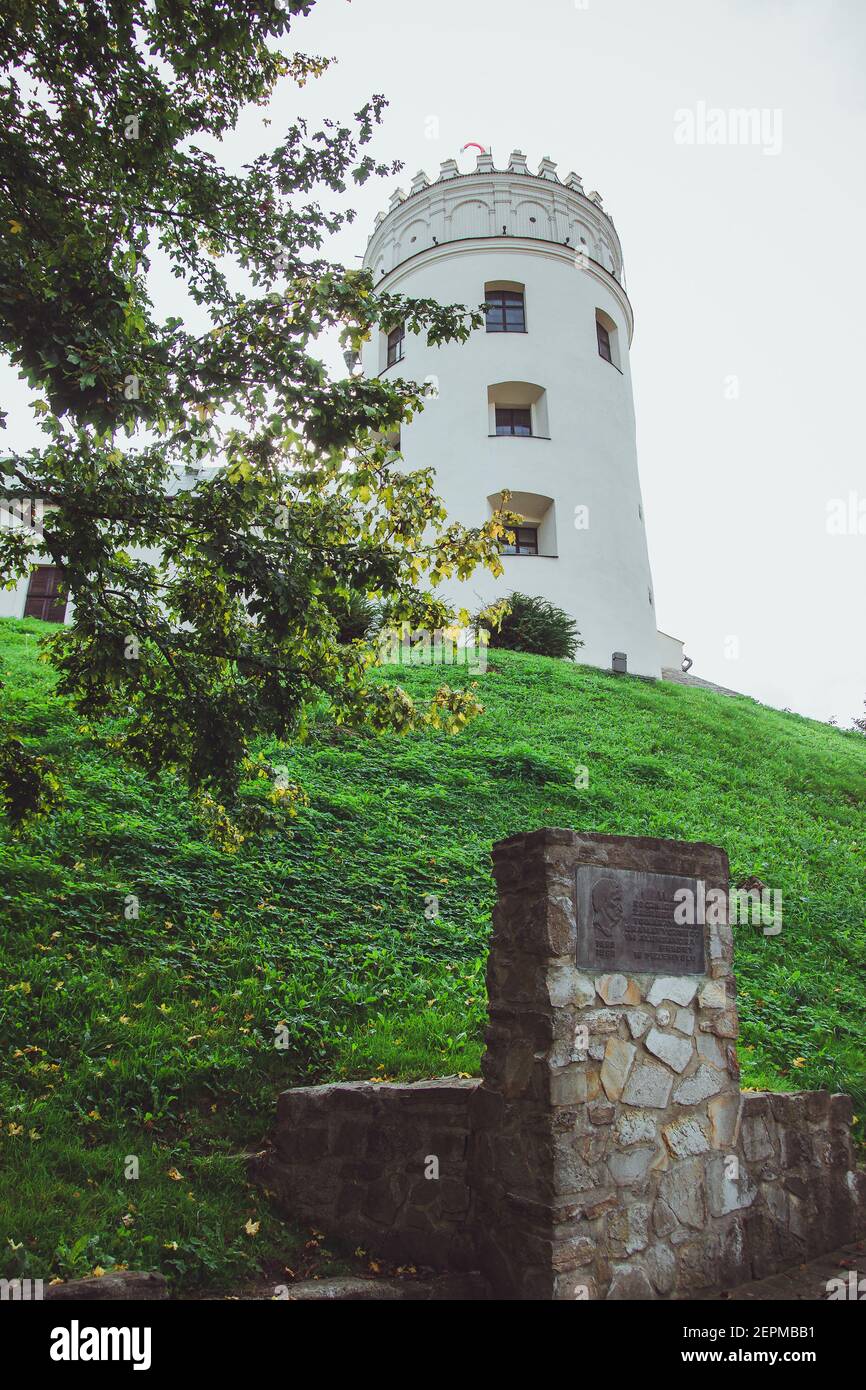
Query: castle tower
(540, 401)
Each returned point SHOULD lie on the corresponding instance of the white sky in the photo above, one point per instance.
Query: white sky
(738, 263)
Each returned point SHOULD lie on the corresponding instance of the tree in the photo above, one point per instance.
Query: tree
(860, 723)
(205, 615)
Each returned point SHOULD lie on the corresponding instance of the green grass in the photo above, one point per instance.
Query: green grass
(155, 1035)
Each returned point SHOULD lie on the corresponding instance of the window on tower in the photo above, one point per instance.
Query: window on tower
(517, 407)
(46, 596)
(535, 530)
(513, 420)
(607, 336)
(525, 541)
(505, 310)
(395, 345)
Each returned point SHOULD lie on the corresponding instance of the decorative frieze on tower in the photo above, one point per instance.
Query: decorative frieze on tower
(539, 402)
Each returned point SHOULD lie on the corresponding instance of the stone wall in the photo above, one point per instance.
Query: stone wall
(351, 1159)
(802, 1193)
(608, 1151)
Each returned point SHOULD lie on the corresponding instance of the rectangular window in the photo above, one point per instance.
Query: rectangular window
(513, 420)
(44, 599)
(505, 312)
(525, 541)
(603, 342)
(395, 345)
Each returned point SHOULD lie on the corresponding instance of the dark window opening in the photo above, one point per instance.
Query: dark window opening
(603, 342)
(44, 599)
(395, 345)
(510, 420)
(505, 311)
(525, 541)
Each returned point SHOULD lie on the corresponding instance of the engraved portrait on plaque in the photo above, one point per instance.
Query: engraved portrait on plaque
(625, 921)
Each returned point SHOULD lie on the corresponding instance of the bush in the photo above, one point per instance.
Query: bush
(535, 625)
(357, 618)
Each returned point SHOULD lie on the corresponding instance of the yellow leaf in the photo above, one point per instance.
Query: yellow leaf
(252, 1228)
(175, 1175)
(15, 227)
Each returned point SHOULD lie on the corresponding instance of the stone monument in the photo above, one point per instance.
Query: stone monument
(610, 1156)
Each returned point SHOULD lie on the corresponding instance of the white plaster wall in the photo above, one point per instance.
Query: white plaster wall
(601, 575)
(12, 601)
(670, 652)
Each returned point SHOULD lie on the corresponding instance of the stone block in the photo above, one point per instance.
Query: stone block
(757, 1140)
(618, 1060)
(630, 1166)
(638, 1021)
(601, 1113)
(618, 989)
(661, 1266)
(649, 1084)
(727, 1194)
(841, 1110)
(682, 1189)
(635, 1127)
(629, 1229)
(687, 1136)
(568, 1085)
(629, 1283)
(674, 1051)
(699, 1086)
(680, 989)
(795, 1146)
(723, 1113)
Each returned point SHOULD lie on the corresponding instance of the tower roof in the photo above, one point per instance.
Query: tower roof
(488, 202)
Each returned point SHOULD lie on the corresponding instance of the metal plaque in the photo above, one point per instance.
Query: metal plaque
(625, 921)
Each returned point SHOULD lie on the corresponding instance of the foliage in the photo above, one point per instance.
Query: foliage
(265, 489)
(535, 625)
(357, 618)
(154, 1035)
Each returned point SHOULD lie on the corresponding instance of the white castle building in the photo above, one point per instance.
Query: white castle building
(538, 403)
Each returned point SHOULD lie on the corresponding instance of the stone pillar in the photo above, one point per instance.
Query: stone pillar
(604, 1135)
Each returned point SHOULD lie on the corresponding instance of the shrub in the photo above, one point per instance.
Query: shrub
(357, 618)
(535, 625)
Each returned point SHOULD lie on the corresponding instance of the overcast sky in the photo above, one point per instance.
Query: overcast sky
(744, 263)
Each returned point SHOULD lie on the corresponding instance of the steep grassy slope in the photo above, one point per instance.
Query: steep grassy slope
(155, 1037)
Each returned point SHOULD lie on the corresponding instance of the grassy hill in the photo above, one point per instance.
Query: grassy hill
(154, 1038)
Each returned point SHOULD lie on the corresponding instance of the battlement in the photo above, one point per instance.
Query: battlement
(489, 203)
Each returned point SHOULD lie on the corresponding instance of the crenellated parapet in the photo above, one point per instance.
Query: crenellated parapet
(489, 203)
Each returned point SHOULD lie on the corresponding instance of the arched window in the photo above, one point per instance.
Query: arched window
(517, 408)
(505, 307)
(395, 345)
(607, 334)
(536, 533)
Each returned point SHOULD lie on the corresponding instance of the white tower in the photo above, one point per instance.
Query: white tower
(539, 402)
